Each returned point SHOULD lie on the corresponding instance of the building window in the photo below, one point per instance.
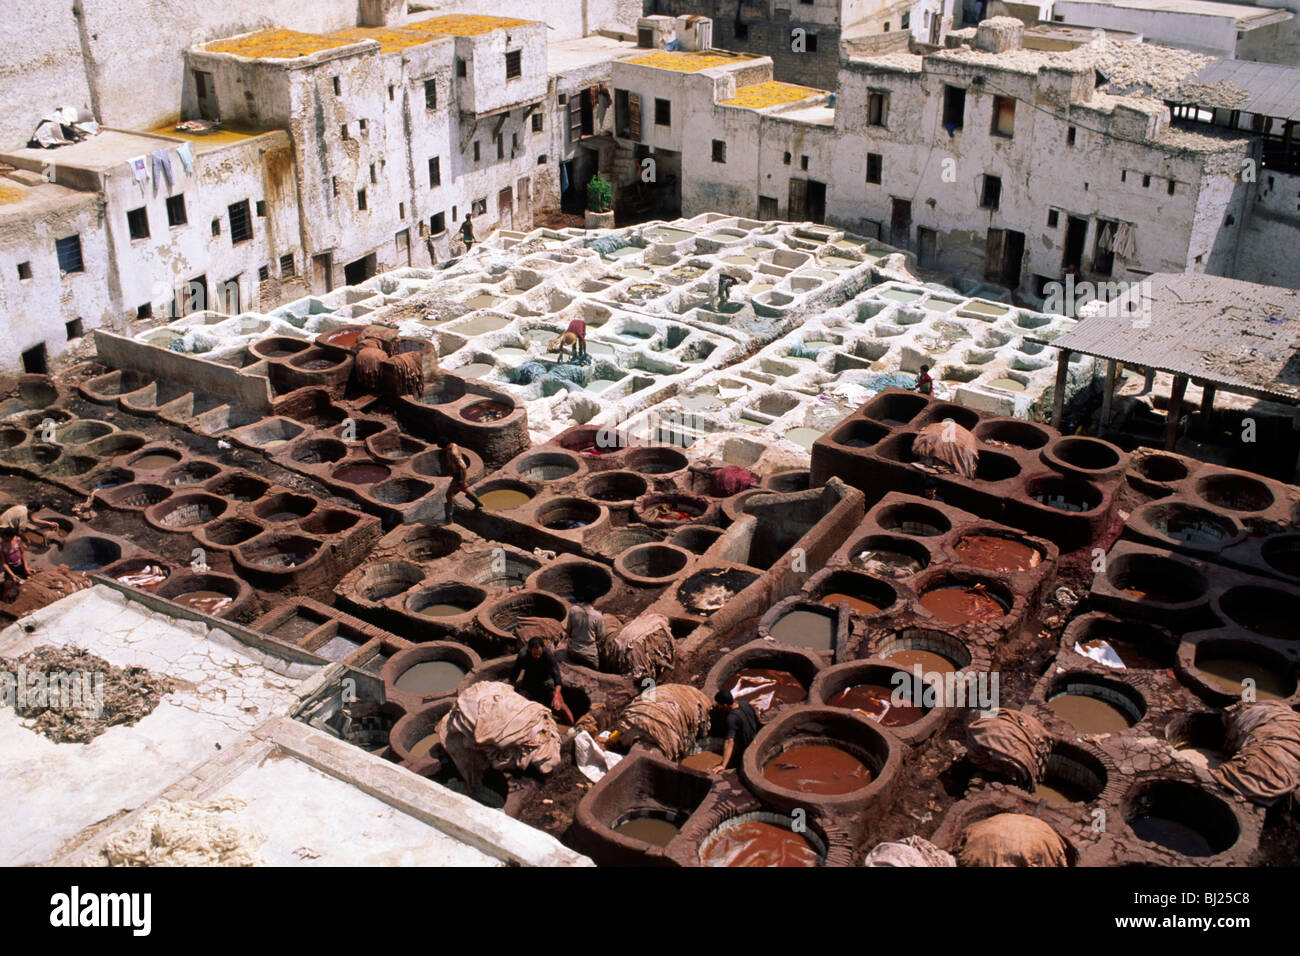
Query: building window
(241, 223)
(430, 95)
(742, 31)
(144, 311)
(343, 131)
(137, 221)
(263, 273)
(73, 329)
(877, 108)
(663, 112)
(886, 29)
(34, 361)
(1069, 136)
(391, 92)
(24, 270)
(435, 172)
(261, 206)
(401, 210)
(176, 211)
(906, 21)
(786, 158)
(803, 163)
(477, 151)
(514, 64)
(373, 179)
(437, 223)
(68, 250)
(874, 163)
(1146, 181)
(362, 126)
(1053, 218)
(537, 122)
(541, 160)
(361, 200)
(1123, 175)
(954, 108)
(216, 227)
(479, 207)
(501, 147)
(991, 196)
(287, 268)
(514, 143)
(460, 67)
(1171, 187)
(338, 87)
(719, 151)
(1004, 116)
(334, 185)
(810, 43)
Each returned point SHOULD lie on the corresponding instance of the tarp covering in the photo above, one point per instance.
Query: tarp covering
(1011, 839)
(1264, 739)
(1010, 744)
(913, 851)
(669, 717)
(644, 648)
(492, 726)
(948, 444)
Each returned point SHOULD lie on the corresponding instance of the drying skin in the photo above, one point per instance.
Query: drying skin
(184, 834)
(757, 843)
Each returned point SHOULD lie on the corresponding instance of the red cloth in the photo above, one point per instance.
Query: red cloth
(730, 480)
(578, 328)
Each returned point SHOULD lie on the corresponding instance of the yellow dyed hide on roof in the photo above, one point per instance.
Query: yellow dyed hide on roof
(277, 44)
(689, 61)
(762, 95)
(462, 25)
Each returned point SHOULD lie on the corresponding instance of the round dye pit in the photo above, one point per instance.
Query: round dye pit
(1149, 577)
(1194, 527)
(504, 499)
(361, 473)
(1071, 776)
(1282, 554)
(895, 558)
(758, 843)
(877, 702)
(765, 687)
(430, 678)
(146, 577)
(1085, 454)
(549, 466)
(935, 652)
(863, 594)
(1269, 612)
(961, 604)
(1227, 666)
(616, 486)
(656, 461)
(991, 552)
(344, 338)
(655, 827)
(803, 436)
(1096, 706)
(155, 460)
(205, 602)
(568, 514)
(916, 520)
(817, 768)
(1181, 817)
(1235, 492)
(381, 581)
(422, 749)
(1161, 468)
(814, 630)
(1064, 494)
(485, 412)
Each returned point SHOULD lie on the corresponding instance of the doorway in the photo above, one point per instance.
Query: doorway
(900, 223)
(506, 209)
(927, 242)
(1004, 250)
(359, 270)
(1076, 231)
(403, 243)
(816, 210)
(322, 272)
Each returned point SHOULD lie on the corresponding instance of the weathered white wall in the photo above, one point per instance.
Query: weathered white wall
(1214, 35)
(1267, 251)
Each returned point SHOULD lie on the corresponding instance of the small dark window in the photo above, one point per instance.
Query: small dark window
(454, 217)
(144, 311)
(1053, 218)
(263, 273)
(992, 194)
(810, 43)
(514, 64)
(803, 162)
(176, 211)
(34, 362)
(786, 158)
(1146, 181)
(541, 160)
(435, 172)
(954, 108)
(287, 268)
(663, 112)
(261, 206)
(137, 221)
(73, 329)
(216, 227)
(361, 200)
(537, 122)
(742, 31)
(373, 179)
(391, 92)
(241, 223)
(1171, 187)
(501, 147)
(460, 67)
(1069, 136)
(886, 30)
(1123, 175)
(477, 151)
(719, 151)
(478, 207)
(877, 108)
(430, 95)
(68, 250)
(343, 131)
(401, 210)
(338, 87)
(362, 126)
(906, 21)
(334, 185)
(874, 163)
(438, 223)
(24, 270)
(1004, 116)
(1230, 221)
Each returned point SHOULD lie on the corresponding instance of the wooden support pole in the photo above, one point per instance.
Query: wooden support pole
(1112, 368)
(1207, 411)
(1058, 400)
(1175, 411)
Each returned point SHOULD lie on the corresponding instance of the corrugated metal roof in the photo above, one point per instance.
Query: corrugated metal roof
(1239, 336)
(1273, 90)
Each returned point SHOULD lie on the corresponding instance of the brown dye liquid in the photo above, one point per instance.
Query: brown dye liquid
(704, 760)
(875, 701)
(756, 843)
(430, 677)
(1090, 715)
(151, 462)
(344, 339)
(930, 662)
(1262, 618)
(206, 602)
(957, 605)
(995, 553)
(504, 499)
(1061, 791)
(421, 748)
(817, 768)
(146, 579)
(1227, 673)
(895, 562)
(805, 629)
(445, 610)
(855, 603)
(757, 682)
(361, 474)
(1154, 592)
(650, 830)
(1133, 655)
(1171, 834)
(486, 411)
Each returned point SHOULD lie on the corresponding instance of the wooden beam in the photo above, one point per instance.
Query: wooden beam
(1175, 411)
(1207, 410)
(1108, 390)
(1062, 373)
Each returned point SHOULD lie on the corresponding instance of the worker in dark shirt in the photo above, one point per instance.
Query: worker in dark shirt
(541, 677)
(467, 233)
(742, 728)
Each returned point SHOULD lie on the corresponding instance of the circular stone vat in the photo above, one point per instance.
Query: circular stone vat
(1270, 612)
(655, 461)
(144, 574)
(609, 542)
(40, 456)
(89, 553)
(997, 552)
(1235, 492)
(863, 593)
(329, 521)
(1282, 554)
(378, 582)
(572, 579)
(502, 616)
(669, 509)
(1013, 432)
(895, 408)
(442, 391)
(229, 532)
(914, 519)
(341, 338)
(400, 491)
(888, 695)
(392, 445)
(424, 543)
(801, 624)
(318, 451)
(428, 671)
(890, 556)
(834, 755)
(69, 466)
(761, 839)
(212, 594)
(788, 482)
(764, 675)
(592, 441)
(361, 473)
(1194, 527)
(414, 739)
(614, 486)
(1095, 705)
(696, 539)
(967, 418)
(859, 434)
(277, 347)
(190, 473)
(1140, 646)
(1064, 494)
(486, 570)
(547, 466)
(12, 437)
(188, 510)
(317, 360)
(568, 514)
(707, 591)
(1181, 817)
(85, 430)
(238, 487)
(652, 563)
(284, 507)
(486, 412)
(1162, 469)
(1072, 775)
(652, 825)
(1154, 577)
(504, 494)
(1198, 738)
(154, 459)
(933, 651)
(279, 552)
(1225, 665)
(112, 478)
(1090, 455)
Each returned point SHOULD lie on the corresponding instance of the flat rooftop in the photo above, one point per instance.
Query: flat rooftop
(574, 54)
(113, 147)
(25, 200)
(762, 96)
(279, 44)
(1246, 17)
(690, 61)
